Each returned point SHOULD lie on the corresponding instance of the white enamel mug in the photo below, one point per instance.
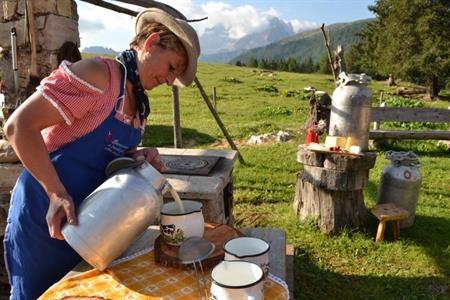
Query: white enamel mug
(237, 280)
(176, 225)
(250, 249)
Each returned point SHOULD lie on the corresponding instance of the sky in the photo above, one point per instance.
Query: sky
(102, 27)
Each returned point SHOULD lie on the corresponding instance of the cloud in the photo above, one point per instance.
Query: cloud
(300, 26)
(99, 26)
(238, 21)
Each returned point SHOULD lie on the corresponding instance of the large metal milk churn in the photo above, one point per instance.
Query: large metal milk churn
(350, 110)
(116, 213)
(400, 183)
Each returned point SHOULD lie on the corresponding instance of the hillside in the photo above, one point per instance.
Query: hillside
(99, 50)
(309, 43)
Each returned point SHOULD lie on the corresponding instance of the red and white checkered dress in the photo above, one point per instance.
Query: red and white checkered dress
(82, 105)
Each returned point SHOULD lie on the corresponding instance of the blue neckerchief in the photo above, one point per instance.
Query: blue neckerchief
(128, 59)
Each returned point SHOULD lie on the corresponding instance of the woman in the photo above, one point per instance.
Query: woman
(80, 118)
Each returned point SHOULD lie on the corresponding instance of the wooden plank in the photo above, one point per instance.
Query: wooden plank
(410, 134)
(290, 252)
(276, 237)
(410, 114)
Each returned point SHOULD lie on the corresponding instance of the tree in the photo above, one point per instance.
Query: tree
(410, 39)
(292, 65)
(262, 63)
(324, 65)
(252, 62)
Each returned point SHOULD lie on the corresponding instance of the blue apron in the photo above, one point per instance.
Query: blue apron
(34, 260)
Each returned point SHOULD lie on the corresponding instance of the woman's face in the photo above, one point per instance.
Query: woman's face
(159, 65)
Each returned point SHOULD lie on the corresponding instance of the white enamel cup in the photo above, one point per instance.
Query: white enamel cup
(176, 226)
(237, 280)
(250, 249)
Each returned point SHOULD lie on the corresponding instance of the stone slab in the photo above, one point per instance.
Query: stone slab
(202, 187)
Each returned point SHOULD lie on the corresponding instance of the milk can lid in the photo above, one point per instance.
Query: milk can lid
(345, 78)
(400, 158)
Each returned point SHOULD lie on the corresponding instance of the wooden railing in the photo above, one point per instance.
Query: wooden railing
(407, 114)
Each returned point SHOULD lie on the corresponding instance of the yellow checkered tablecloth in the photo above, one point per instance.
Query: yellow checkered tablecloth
(139, 277)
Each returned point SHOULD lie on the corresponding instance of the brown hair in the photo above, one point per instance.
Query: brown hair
(167, 39)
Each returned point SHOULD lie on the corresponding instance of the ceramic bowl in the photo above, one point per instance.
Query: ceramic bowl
(176, 225)
(249, 249)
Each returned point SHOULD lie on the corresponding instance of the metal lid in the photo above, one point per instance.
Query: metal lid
(403, 158)
(345, 78)
(119, 164)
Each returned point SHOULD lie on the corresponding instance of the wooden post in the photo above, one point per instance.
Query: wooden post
(330, 188)
(376, 125)
(327, 45)
(218, 120)
(214, 97)
(177, 142)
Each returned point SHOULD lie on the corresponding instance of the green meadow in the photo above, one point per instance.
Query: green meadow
(347, 265)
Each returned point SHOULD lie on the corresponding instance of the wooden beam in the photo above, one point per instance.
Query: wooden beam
(410, 114)
(113, 7)
(218, 120)
(410, 134)
(330, 57)
(149, 3)
(177, 141)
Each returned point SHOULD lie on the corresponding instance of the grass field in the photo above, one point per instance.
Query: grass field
(348, 265)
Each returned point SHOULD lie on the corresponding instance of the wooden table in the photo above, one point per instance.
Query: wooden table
(279, 259)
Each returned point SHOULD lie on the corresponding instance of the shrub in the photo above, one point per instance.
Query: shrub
(268, 88)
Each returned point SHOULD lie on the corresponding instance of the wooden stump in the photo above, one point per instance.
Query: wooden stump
(330, 188)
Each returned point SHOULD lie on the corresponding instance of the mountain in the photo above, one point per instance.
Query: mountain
(99, 50)
(217, 46)
(308, 43)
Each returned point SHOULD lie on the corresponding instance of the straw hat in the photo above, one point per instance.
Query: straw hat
(185, 33)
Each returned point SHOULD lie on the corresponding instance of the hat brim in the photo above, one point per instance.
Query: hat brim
(185, 33)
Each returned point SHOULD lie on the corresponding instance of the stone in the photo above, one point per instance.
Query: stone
(7, 154)
(67, 8)
(44, 7)
(8, 9)
(21, 7)
(283, 136)
(8, 175)
(5, 34)
(54, 36)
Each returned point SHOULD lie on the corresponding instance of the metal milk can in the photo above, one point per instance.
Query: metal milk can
(116, 213)
(400, 183)
(350, 110)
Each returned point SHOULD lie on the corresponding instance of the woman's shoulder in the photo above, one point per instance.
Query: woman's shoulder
(95, 71)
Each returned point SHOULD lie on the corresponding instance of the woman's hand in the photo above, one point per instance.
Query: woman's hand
(151, 155)
(61, 206)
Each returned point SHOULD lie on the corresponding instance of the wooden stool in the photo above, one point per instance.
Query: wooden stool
(389, 212)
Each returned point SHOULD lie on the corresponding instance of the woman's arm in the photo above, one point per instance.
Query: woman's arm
(23, 130)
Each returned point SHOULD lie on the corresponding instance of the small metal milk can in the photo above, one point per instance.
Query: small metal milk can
(350, 110)
(400, 183)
